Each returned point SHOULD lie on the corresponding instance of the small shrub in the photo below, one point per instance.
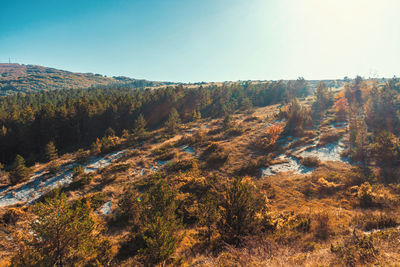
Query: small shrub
(251, 167)
(121, 167)
(166, 156)
(215, 155)
(366, 196)
(182, 165)
(326, 187)
(308, 246)
(96, 200)
(267, 142)
(82, 156)
(355, 251)
(251, 118)
(241, 204)
(310, 161)
(328, 138)
(12, 215)
(371, 221)
(303, 223)
(234, 131)
(84, 180)
(323, 228)
(78, 171)
(54, 167)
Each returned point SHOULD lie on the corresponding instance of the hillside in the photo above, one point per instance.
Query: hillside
(245, 174)
(16, 78)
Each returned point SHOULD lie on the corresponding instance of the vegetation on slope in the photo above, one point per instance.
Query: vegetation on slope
(211, 207)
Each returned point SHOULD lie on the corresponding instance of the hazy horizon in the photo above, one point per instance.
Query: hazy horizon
(212, 41)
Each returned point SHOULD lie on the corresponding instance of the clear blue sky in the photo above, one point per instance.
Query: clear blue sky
(205, 40)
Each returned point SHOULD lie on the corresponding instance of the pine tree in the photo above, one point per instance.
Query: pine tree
(323, 98)
(19, 171)
(196, 115)
(140, 125)
(63, 234)
(173, 121)
(241, 204)
(227, 122)
(208, 215)
(51, 151)
(154, 233)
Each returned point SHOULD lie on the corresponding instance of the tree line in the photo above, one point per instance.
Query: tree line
(73, 119)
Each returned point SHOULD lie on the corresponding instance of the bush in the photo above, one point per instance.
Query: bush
(121, 167)
(234, 131)
(355, 251)
(268, 140)
(303, 223)
(342, 109)
(310, 161)
(12, 215)
(251, 167)
(323, 228)
(328, 138)
(182, 165)
(366, 196)
(129, 207)
(82, 155)
(84, 180)
(96, 200)
(154, 237)
(78, 171)
(297, 118)
(372, 221)
(327, 187)
(54, 167)
(215, 155)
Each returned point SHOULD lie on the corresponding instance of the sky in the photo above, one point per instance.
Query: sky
(205, 40)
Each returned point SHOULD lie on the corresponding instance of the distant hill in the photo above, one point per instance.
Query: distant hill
(16, 78)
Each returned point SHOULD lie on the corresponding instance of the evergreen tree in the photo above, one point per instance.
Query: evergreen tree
(208, 215)
(227, 122)
(63, 234)
(154, 236)
(173, 121)
(196, 115)
(246, 104)
(140, 125)
(323, 98)
(240, 205)
(19, 171)
(51, 151)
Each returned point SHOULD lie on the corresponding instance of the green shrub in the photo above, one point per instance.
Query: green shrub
(242, 201)
(84, 179)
